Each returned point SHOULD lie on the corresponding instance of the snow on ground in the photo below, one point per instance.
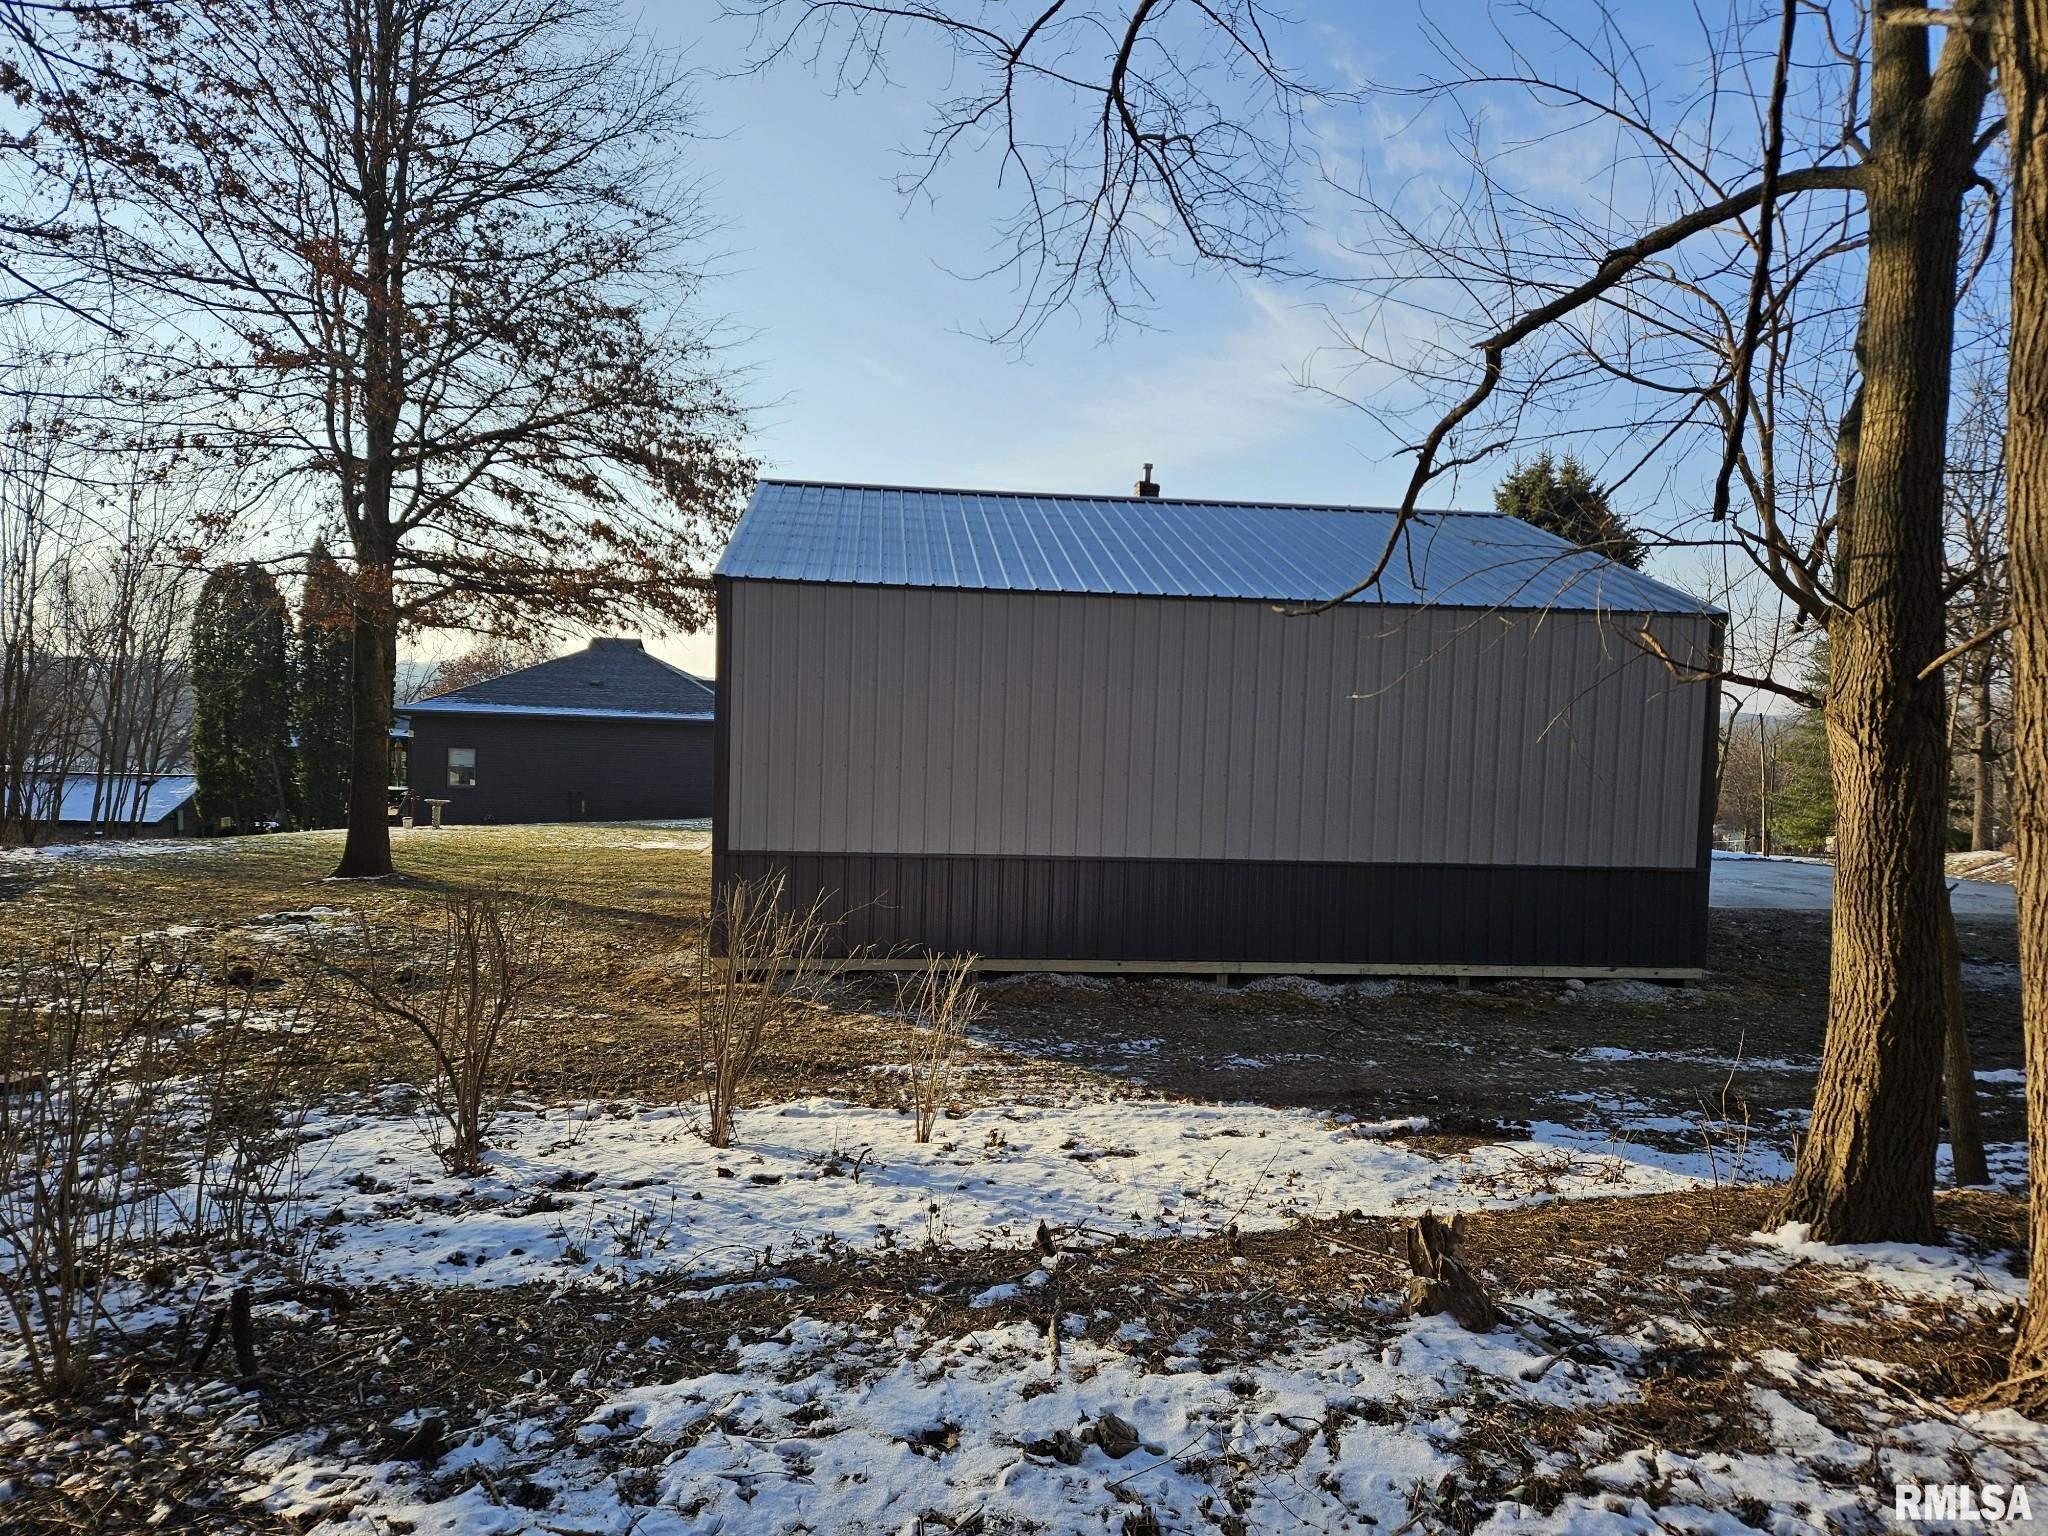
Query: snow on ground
(627, 1190)
(1808, 885)
(1925, 1273)
(691, 836)
(45, 857)
(1718, 1060)
(825, 1427)
(1983, 864)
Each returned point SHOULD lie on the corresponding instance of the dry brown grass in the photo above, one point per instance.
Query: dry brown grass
(618, 901)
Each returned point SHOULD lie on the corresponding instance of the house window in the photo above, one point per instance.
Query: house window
(462, 767)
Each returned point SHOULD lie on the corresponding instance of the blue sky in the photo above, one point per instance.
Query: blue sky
(860, 341)
(866, 340)
(863, 342)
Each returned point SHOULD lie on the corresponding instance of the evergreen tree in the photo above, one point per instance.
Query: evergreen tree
(322, 706)
(241, 687)
(1561, 498)
(1803, 809)
(1803, 804)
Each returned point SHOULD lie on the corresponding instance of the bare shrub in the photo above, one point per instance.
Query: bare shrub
(458, 982)
(246, 1092)
(85, 1049)
(775, 960)
(942, 1001)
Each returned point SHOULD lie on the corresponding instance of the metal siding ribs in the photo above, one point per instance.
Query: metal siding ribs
(1227, 912)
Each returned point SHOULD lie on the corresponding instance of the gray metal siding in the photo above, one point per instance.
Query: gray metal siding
(894, 720)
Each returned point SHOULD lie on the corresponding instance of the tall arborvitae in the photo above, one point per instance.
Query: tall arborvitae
(1803, 807)
(1562, 498)
(241, 688)
(322, 701)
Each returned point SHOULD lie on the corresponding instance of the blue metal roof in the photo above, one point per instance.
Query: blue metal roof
(897, 536)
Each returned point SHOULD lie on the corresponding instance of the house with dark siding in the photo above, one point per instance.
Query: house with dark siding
(1107, 733)
(607, 733)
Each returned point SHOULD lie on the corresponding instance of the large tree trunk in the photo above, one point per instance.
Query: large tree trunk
(1983, 762)
(366, 853)
(2023, 77)
(1866, 1168)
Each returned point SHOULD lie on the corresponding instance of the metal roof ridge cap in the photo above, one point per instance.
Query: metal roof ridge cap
(1084, 496)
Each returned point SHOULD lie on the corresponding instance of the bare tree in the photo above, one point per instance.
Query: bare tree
(1979, 610)
(123, 604)
(96, 545)
(422, 267)
(1807, 199)
(37, 526)
(1129, 129)
(492, 656)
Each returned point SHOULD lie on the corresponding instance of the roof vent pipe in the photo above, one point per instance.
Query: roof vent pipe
(1146, 485)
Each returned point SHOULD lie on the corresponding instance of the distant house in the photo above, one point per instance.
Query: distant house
(1080, 732)
(608, 733)
(124, 804)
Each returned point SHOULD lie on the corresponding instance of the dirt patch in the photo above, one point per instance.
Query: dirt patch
(1739, 1049)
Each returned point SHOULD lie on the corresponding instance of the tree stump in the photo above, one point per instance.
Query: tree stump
(1442, 1283)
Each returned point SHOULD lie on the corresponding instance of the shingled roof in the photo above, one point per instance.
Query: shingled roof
(610, 678)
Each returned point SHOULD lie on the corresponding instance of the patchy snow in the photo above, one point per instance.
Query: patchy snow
(1719, 1061)
(1651, 993)
(625, 1190)
(1307, 988)
(825, 1426)
(1983, 864)
(1910, 1269)
(296, 926)
(1357, 1422)
(1735, 856)
(47, 856)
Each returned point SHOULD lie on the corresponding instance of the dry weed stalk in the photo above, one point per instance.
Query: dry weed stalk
(458, 983)
(943, 1002)
(85, 1040)
(248, 1091)
(775, 956)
